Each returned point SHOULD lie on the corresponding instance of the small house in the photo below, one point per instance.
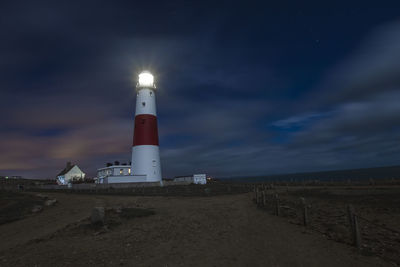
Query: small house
(69, 174)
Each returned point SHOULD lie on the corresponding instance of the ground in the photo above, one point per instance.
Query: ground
(227, 230)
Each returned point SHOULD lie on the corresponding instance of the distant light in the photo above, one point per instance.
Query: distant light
(146, 79)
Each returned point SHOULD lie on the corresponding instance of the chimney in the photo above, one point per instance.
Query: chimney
(69, 164)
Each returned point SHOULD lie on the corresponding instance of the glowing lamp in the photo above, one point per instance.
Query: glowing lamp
(146, 79)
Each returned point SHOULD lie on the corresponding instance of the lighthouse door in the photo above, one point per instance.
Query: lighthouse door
(154, 165)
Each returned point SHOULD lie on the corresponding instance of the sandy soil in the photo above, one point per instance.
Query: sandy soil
(198, 231)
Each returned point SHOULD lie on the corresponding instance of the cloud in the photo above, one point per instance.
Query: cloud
(353, 120)
(68, 94)
(371, 70)
(299, 120)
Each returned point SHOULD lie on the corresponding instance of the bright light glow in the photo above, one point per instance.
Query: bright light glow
(146, 79)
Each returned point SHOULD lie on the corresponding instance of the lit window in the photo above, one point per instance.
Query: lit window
(129, 171)
(121, 171)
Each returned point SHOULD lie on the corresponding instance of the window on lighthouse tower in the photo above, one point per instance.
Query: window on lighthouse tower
(143, 104)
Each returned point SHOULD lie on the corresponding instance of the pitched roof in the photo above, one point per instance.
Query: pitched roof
(66, 170)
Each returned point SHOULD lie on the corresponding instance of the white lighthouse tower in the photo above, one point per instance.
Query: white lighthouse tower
(145, 149)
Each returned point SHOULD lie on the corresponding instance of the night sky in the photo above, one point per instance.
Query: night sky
(244, 88)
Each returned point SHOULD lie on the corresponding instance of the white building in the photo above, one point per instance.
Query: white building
(70, 173)
(199, 179)
(192, 179)
(111, 172)
(118, 174)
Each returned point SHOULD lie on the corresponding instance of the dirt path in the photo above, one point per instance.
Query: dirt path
(207, 231)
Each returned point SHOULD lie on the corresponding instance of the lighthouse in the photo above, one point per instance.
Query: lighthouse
(145, 148)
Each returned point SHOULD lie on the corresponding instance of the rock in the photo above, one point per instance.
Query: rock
(97, 215)
(37, 208)
(50, 202)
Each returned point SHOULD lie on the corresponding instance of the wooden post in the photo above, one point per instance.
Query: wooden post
(357, 234)
(354, 227)
(350, 216)
(264, 198)
(277, 206)
(305, 212)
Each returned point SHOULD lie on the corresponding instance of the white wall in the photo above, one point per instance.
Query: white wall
(146, 161)
(113, 171)
(117, 170)
(199, 179)
(126, 179)
(75, 172)
(184, 179)
(148, 97)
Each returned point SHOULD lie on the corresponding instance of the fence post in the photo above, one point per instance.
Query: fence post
(354, 227)
(264, 198)
(350, 216)
(357, 234)
(259, 196)
(277, 205)
(305, 212)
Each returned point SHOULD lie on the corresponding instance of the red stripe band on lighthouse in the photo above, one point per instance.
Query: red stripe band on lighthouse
(146, 132)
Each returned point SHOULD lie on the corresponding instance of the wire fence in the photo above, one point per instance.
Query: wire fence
(343, 224)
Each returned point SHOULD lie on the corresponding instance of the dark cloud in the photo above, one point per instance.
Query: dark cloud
(243, 89)
(372, 69)
(359, 125)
